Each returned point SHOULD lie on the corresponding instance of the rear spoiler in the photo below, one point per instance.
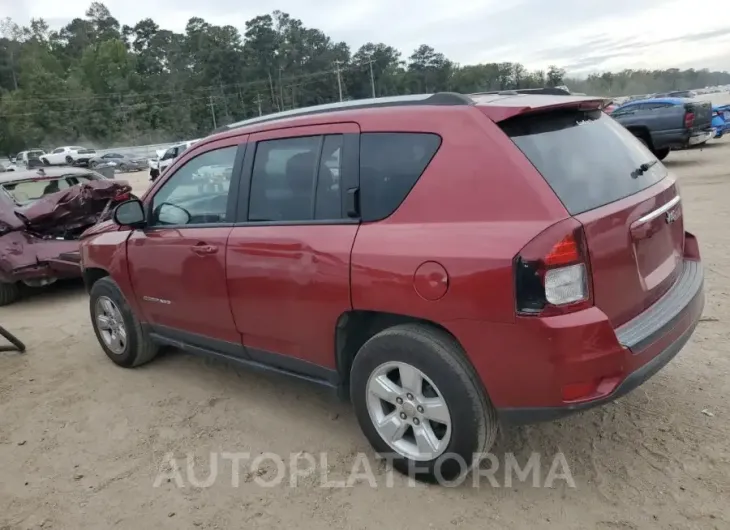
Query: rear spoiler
(501, 113)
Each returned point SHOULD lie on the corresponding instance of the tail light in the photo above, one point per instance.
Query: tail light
(689, 119)
(552, 272)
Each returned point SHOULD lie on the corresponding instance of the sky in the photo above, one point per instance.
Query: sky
(582, 36)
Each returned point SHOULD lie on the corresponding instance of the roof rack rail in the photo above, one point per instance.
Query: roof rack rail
(550, 91)
(438, 98)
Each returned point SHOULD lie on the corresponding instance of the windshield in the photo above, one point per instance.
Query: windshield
(587, 158)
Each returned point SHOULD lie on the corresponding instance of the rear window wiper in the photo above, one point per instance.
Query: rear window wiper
(643, 168)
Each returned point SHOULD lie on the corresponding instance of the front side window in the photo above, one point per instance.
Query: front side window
(197, 193)
(296, 179)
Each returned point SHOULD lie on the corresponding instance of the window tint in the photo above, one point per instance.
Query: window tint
(588, 159)
(58, 150)
(198, 191)
(283, 179)
(390, 165)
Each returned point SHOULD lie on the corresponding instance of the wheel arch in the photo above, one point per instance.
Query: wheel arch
(92, 275)
(354, 328)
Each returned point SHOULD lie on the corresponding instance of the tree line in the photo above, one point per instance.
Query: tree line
(103, 83)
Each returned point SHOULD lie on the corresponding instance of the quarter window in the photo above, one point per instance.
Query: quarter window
(390, 165)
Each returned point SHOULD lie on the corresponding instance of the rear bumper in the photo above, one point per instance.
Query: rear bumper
(644, 346)
(701, 137)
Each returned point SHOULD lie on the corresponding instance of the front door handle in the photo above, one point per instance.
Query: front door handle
(204, 250)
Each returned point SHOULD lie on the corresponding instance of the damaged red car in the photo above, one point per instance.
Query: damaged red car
(42, 216)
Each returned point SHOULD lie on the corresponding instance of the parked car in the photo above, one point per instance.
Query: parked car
(168, 157)
(42, 215)
(681, 94)
(68, 155)
(663, 124)
(22, 159)
(460, 268)
(8, 166)
(121, 162)
(721, 119)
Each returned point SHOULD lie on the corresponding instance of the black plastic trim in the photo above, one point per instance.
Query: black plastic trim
(645, 328)
(238, 354)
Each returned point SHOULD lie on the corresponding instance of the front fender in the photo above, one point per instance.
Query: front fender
(106, 252)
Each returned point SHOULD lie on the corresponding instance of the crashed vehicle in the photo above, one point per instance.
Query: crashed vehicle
(42, 216)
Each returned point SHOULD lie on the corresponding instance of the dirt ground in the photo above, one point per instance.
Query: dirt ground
(82, 441)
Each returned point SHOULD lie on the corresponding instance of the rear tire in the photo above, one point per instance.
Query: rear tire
(446, 374)
(106, 302)
(9, 293)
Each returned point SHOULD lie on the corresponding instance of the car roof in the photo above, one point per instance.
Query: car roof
(498, 106)
(49, 172)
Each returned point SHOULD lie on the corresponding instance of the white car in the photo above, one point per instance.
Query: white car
(168, 157)
(69, 154)
(22, 158)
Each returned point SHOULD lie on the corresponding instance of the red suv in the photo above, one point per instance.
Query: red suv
(446, 261)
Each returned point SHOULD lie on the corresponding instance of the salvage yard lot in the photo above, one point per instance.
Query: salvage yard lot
(81, 440)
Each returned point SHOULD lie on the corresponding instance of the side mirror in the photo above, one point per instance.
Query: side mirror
(130, 213)
(170, 214)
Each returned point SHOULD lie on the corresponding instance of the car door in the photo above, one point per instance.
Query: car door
(177, 263)
(288, 256)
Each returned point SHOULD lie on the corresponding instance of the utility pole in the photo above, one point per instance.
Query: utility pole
(212, 112)
(281, 89)
(339, 78)
(372, 77)
(258, 100)
(271, 86)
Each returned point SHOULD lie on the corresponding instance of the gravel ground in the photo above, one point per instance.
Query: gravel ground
(82, 441)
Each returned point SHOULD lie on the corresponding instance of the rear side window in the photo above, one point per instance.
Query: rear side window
(587, 158)
(390, 165)
(296, 180)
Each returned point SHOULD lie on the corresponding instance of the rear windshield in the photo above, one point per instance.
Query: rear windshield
(588, 159)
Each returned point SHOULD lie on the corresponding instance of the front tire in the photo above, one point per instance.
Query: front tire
(46, 162)
(69, 160)
(9, 293)
(419, 401)
(117, 329)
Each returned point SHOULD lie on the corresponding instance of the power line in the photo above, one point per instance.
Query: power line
(131, 105)
(112, 95)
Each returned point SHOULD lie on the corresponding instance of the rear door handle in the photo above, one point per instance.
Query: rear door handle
(203, 250)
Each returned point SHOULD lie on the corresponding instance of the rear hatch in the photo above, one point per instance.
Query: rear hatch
(623, 196)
